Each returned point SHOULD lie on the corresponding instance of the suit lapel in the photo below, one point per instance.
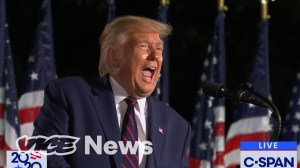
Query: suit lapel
(156, 128)
(103, 101)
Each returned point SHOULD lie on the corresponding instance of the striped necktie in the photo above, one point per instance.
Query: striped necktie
(129, 133)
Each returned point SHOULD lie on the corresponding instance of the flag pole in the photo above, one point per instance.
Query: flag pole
(264, 10)
(221, 6)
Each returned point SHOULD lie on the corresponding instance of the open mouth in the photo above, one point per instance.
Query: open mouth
(148, 73)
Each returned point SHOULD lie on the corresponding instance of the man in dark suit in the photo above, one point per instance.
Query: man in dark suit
(97, 110)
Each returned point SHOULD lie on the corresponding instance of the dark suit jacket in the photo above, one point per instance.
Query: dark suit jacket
(79, 107)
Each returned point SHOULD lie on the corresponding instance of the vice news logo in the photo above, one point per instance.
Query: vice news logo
(26, 159)
(65, 145)
(62, 145)
(268, 154)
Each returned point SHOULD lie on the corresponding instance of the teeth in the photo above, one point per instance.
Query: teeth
(152, 68)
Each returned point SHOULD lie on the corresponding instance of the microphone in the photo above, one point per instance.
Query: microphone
(239, 96)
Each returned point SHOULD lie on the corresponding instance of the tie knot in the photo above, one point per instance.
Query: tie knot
(131, 102)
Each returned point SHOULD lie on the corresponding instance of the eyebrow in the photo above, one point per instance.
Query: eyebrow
(147, 41)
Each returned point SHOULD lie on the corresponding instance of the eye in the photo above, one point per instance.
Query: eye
(160, 48)
(143, 46)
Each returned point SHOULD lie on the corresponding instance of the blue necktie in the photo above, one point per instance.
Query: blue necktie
(129, 133)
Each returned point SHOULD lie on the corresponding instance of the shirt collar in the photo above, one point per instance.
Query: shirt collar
(120, 94)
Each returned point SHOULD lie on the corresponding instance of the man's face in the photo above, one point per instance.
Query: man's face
(139, 63)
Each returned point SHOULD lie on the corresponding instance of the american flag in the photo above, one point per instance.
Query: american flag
(251, 123)
(208, 130)
(40, 70)
(291, 126)
(162, 88)
(9, 127)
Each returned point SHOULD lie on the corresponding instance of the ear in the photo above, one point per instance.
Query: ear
(112, 60)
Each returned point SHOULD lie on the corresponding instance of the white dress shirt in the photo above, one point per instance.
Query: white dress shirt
(140, 115)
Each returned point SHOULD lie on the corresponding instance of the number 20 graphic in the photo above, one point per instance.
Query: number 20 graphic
(23, 157)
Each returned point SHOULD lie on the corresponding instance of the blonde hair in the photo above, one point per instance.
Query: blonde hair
(117, 30)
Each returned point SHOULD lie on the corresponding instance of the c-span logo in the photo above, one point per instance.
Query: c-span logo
(268, 154)
(26, 159)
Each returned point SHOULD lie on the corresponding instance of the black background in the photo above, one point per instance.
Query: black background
(77, 25)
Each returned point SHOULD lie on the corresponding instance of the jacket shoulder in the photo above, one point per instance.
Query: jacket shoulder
(76, 82)
(71, 81)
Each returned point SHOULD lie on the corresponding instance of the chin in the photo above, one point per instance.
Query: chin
(145, 93)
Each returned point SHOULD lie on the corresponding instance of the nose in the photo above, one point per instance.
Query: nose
(154, 54)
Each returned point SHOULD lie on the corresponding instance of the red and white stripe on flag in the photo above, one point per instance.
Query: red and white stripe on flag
(29, 107)
(247, 129)
(219, 133)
